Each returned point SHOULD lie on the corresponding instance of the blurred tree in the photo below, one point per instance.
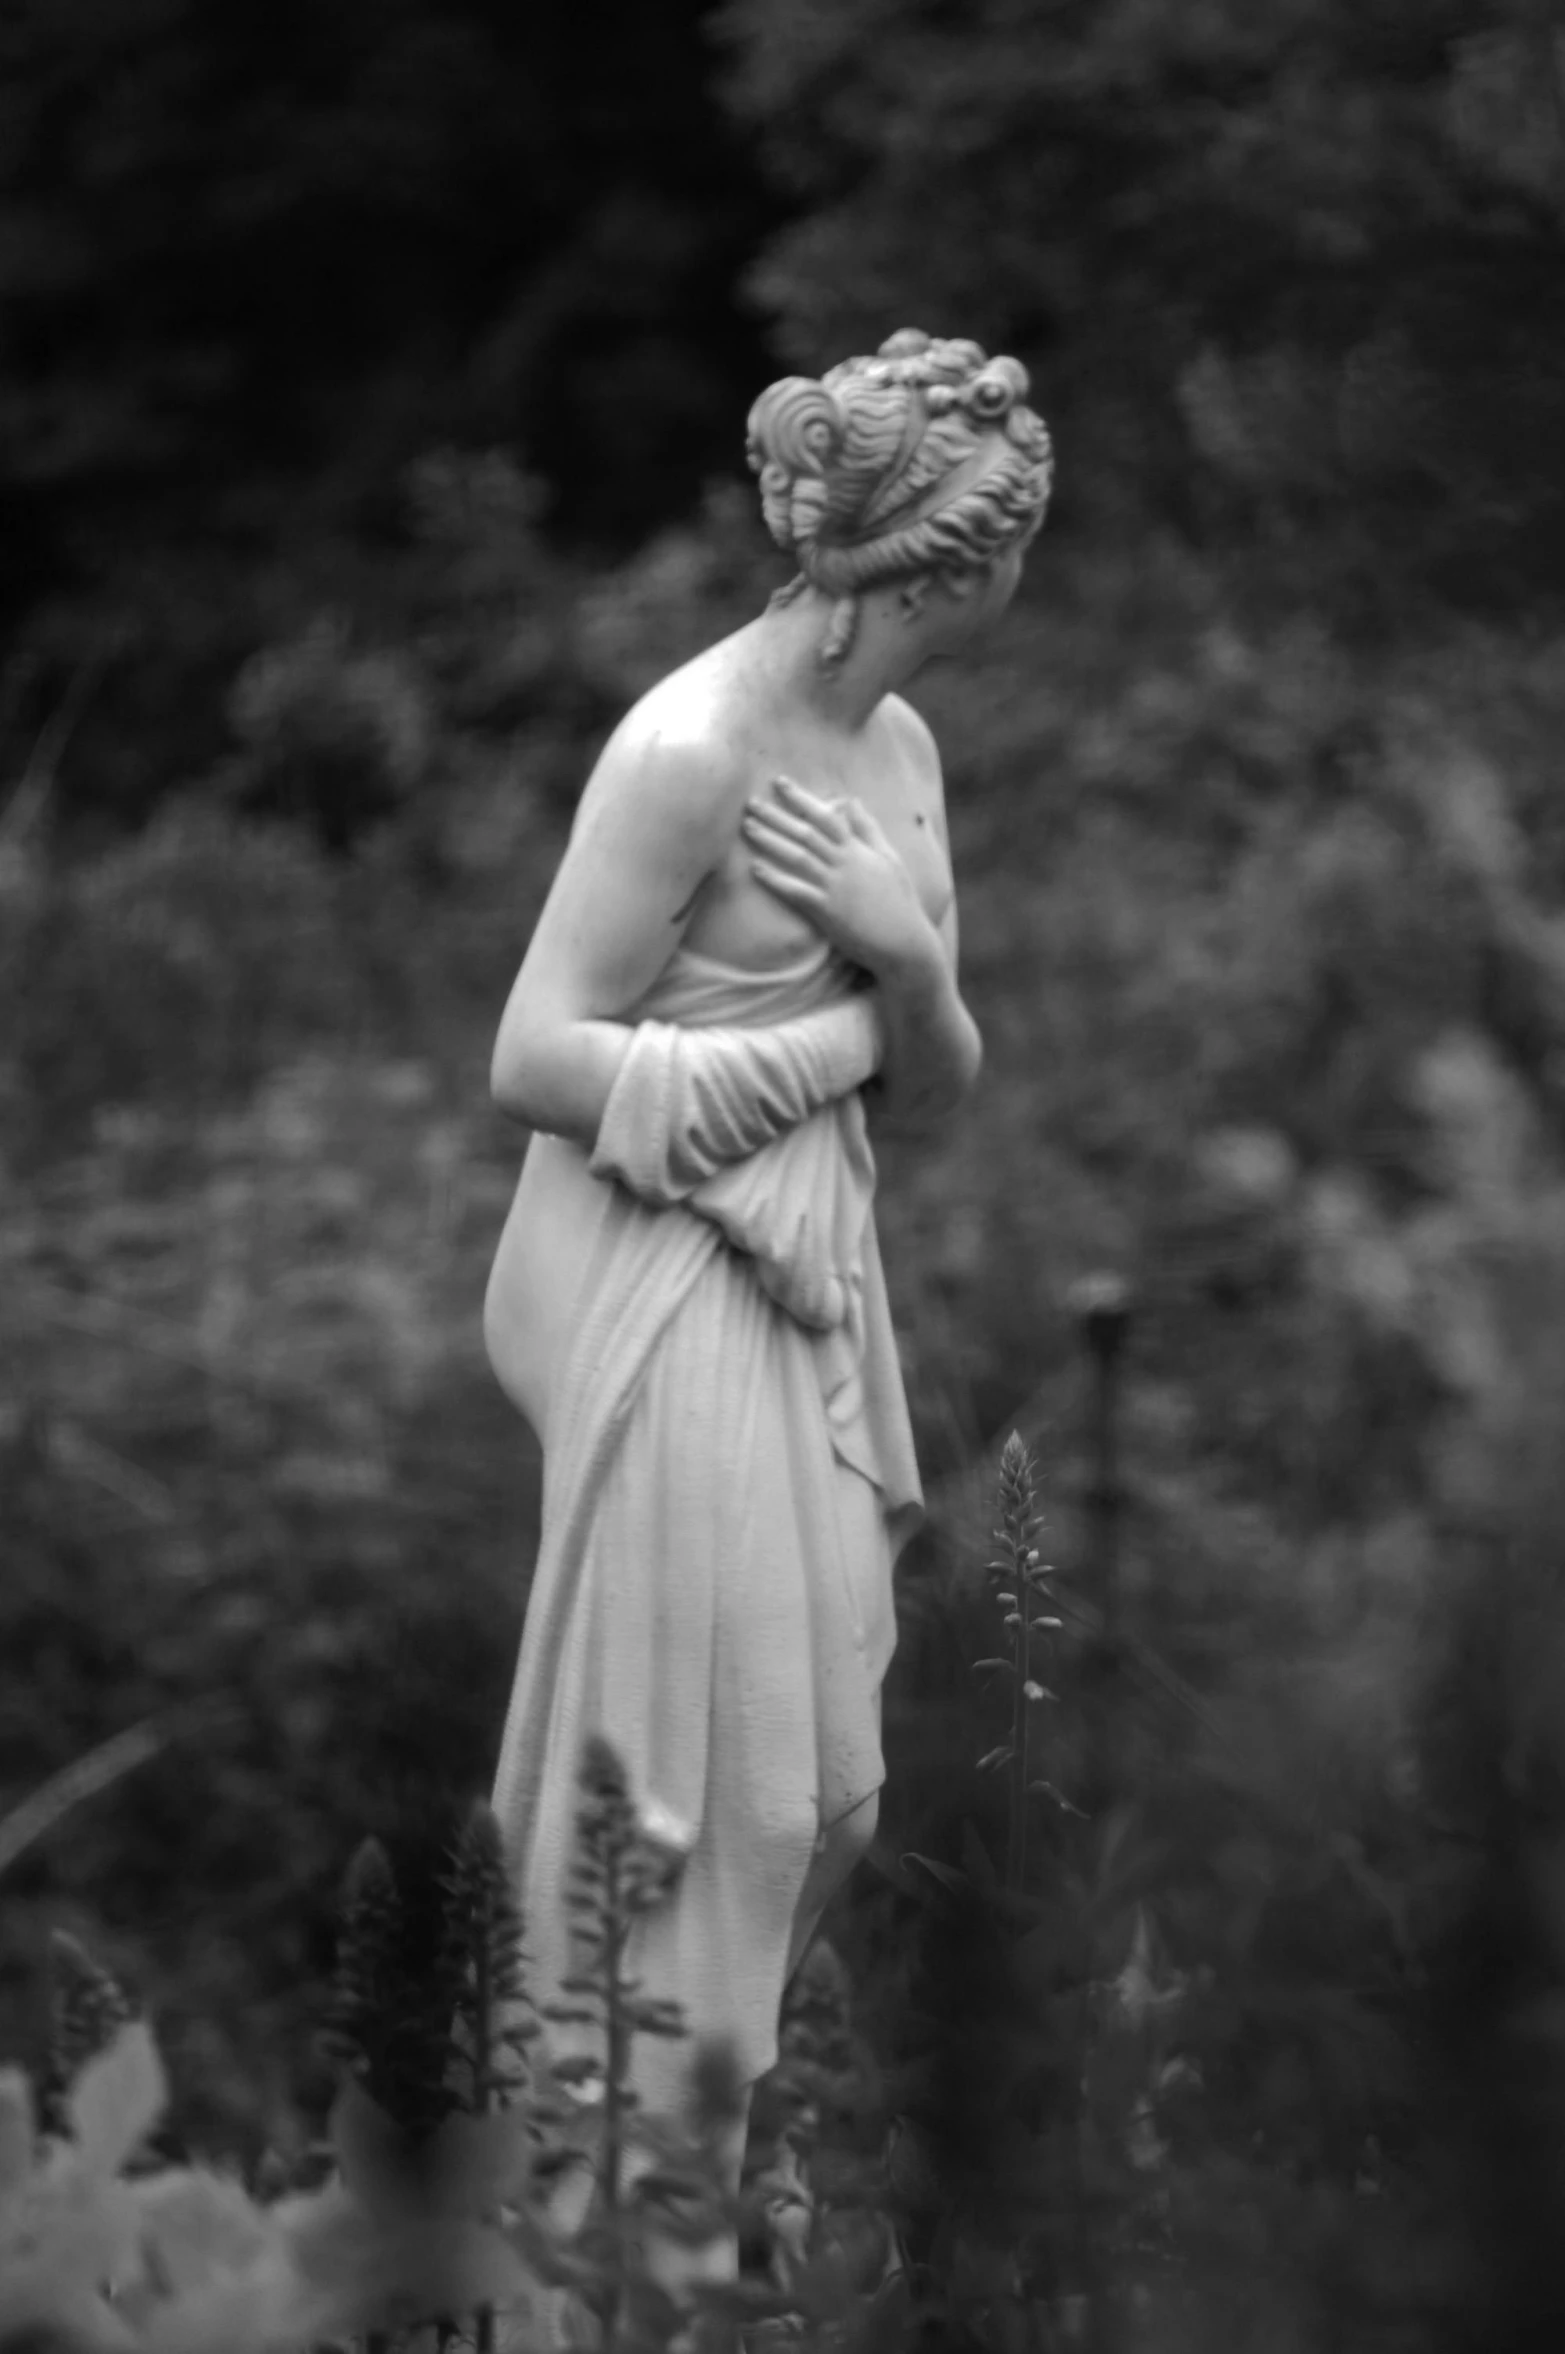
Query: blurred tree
(1289, 276)
(315, 233)
(254, 261)
(1297, 265)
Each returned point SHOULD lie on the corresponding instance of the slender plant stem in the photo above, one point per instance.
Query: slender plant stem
(86, 1776)
(485, 2094)
(486, 2089)
(1016, 1855)
(617, 2059)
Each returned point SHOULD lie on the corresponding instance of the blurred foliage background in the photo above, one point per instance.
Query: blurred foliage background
(371, 401)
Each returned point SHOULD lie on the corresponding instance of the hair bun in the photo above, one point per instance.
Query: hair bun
(924, 457)
(996, 389)
(798, 424)
(796, 430)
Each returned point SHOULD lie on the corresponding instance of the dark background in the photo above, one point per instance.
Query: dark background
(1299, 266)
(372, 385)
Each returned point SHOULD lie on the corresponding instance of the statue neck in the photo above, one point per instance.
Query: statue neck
(888, 648)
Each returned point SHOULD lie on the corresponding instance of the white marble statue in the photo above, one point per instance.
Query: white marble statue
(751, 936)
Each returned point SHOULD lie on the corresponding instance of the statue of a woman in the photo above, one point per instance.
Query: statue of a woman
(752, 931)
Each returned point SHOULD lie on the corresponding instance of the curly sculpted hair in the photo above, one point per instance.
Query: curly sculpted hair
(922, 462)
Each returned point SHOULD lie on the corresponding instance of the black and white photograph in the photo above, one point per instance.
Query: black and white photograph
(782, 1176)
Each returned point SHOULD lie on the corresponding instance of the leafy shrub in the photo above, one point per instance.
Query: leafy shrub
(179, 966)
(449, 2140)
(337, 737)
(1260, 921)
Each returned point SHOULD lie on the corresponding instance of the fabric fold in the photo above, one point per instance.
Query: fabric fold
(729, 1475)
(688, 1102)
(760, 1131)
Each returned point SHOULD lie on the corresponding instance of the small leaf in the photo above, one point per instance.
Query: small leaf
(1047, 1790)
(980, 1664)
(117, 2099)
(577, 2068)
(955, 1882)
(651, 2015)
(1036, 1691)
(996, 1757)
(891, 1868)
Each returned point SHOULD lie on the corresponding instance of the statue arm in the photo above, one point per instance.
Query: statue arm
(649, 829)
(689, 1102)
(655, 820)
(833, 861)
(933, 1047)
(934, 1050)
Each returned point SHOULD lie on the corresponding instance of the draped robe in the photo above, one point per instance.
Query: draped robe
(728, 1476)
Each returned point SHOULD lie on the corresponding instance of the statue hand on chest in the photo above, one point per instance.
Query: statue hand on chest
(836, 864)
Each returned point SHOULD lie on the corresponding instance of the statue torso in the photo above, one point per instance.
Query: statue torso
(733, 917)
(733, 920)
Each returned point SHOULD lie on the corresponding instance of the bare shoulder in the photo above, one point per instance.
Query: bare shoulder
(654, 822)
(672, 758)
(913, 730)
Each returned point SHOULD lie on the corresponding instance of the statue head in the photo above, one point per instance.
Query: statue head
(922, 464)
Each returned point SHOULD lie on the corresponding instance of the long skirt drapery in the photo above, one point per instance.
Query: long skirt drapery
(728, 1477)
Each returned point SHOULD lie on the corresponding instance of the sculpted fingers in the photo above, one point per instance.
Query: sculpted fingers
(777, 828)
(799, 888)
(826, 816)
(868, 829)
(781, 860)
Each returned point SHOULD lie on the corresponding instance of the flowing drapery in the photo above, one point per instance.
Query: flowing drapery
(728, 1478)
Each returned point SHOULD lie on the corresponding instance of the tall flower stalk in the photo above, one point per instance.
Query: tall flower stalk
(624, 1865)
(494, 2022)
(372, 2031)
(87, 2008)
(1020, 1580)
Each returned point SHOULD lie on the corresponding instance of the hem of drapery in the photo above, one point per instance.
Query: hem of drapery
(829, 1822)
